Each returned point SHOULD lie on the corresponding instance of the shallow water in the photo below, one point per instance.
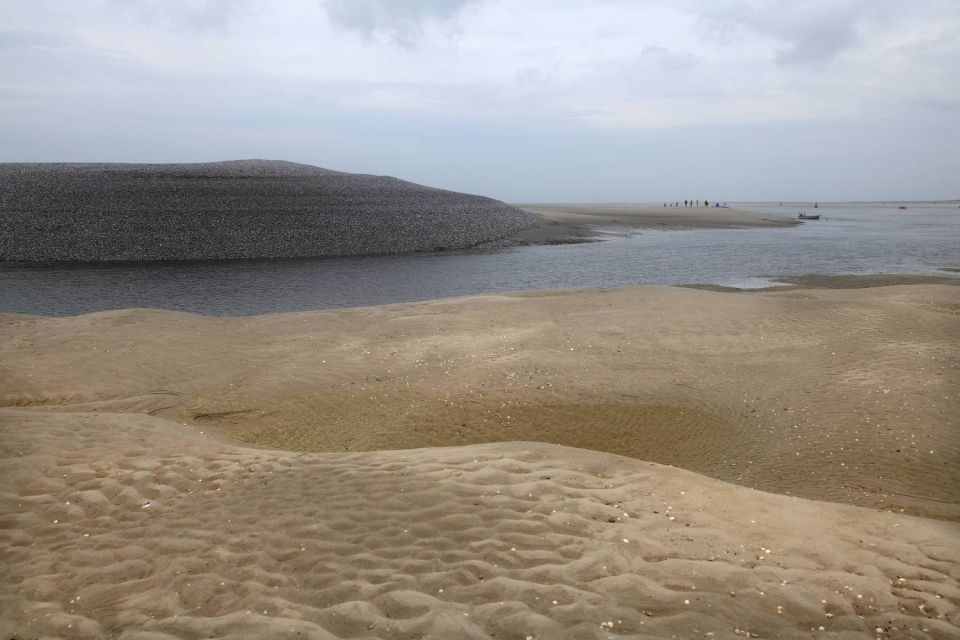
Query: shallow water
(850, 238)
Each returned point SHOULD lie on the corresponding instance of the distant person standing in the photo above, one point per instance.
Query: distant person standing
(706, 203)
(684, 203)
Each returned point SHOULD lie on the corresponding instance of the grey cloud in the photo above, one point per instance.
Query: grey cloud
(817, 39)
(810, 31)
(402, 21)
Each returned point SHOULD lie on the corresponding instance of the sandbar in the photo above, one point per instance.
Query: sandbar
(571, 223)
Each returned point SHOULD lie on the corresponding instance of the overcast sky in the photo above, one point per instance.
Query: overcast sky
(523, 100)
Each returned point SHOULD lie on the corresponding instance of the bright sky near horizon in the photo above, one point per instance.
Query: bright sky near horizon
(523, 100)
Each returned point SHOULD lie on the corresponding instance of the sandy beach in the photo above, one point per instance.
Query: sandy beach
(640, 462)
(567, 223)
(357, 320)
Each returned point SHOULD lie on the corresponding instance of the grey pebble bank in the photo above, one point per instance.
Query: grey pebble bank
(228, 210)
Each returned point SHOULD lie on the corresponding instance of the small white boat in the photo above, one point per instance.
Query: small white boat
(808, 216)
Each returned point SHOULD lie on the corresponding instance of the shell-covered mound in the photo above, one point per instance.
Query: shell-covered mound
(226, 210)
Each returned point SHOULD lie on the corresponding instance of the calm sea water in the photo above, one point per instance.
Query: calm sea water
(851, 238)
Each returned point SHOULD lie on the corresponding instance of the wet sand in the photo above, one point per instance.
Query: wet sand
(870, 280)
(402, 495)
(822, 281)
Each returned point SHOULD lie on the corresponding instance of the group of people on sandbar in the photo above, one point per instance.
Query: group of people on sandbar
(692, 203)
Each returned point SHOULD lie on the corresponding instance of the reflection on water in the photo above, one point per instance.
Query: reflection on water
(850, 238)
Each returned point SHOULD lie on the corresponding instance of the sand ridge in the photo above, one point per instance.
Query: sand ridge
(137, 527)
(843, 395)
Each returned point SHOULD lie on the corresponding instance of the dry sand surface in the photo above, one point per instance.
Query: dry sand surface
(129, 508)
(563, 223)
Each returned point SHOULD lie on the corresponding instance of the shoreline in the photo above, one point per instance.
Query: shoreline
(835, 281)
(777, 283)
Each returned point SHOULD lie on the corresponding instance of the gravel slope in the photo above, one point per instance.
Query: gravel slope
(237, 209)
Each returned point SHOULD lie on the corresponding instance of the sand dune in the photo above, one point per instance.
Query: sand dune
(130, 510)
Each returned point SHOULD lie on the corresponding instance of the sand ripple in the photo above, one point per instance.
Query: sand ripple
(121, 525)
